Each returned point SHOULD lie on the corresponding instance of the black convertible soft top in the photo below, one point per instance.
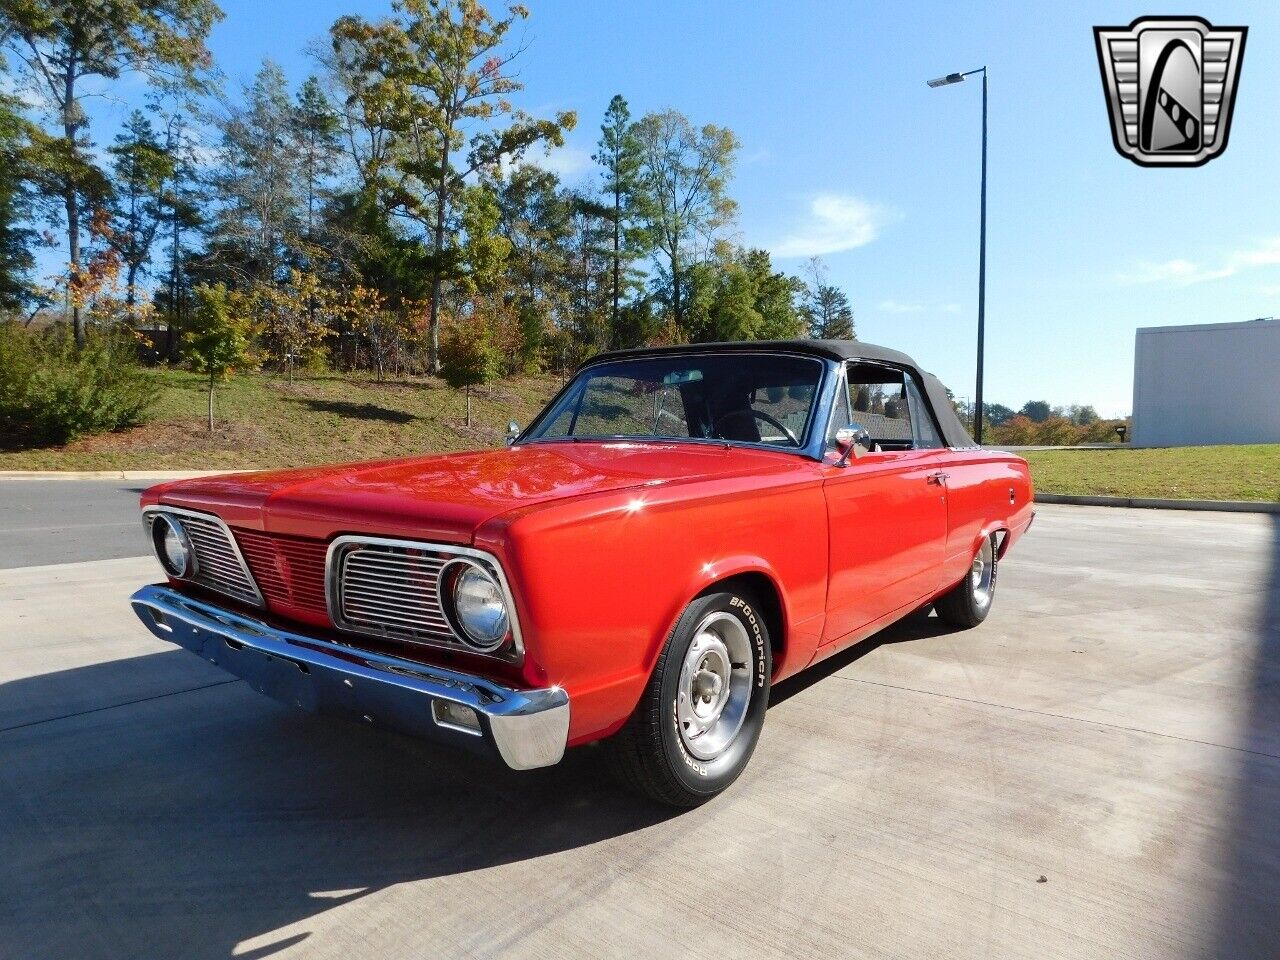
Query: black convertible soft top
(953, 431)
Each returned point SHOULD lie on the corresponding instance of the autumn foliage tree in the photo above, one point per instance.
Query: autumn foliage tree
(467, 358)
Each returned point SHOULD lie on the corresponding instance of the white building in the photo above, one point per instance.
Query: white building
(1207, 383)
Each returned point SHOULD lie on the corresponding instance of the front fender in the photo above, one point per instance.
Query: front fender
(600, 582)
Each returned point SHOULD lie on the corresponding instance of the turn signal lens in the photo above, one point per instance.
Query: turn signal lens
(456, 715)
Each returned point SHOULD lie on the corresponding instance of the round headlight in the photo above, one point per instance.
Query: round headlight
(479, 607)
(172, 547)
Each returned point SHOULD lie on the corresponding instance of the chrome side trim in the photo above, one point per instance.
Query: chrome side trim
(256, 600)
(333, 594)
(526, 728)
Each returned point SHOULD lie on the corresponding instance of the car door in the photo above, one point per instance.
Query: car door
(886, 510)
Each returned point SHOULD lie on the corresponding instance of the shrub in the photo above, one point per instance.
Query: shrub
(51, 393)
(467, 358)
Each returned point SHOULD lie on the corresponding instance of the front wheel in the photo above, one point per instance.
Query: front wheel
(969, 601)
(699, 718)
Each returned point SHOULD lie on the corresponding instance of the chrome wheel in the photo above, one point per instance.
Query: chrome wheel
(715, 686)
(983, 575)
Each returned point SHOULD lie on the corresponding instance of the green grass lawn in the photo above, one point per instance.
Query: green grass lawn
(1179, 473)
(260, 421)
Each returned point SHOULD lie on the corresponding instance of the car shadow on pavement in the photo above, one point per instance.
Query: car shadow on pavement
(1247, 920)
(917, 626)
(213, 822)
(155, 808)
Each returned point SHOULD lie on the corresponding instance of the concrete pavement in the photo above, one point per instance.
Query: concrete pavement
(1113, 728)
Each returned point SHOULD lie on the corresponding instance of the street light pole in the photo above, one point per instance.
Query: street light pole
(982, 245)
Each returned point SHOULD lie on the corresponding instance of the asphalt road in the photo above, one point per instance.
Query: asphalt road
(1094, 772)
(47, 521)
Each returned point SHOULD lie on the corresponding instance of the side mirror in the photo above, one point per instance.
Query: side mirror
(513, 431)
(852, 441)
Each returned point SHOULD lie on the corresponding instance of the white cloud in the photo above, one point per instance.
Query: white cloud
(568, 162)
(836, 222)
(950, 308)
(897, 306)
(1184, 273)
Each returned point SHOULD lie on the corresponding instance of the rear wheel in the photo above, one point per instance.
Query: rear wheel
(699, 718)
(969, 602)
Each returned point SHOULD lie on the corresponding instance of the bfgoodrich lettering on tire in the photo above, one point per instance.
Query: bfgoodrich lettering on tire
(699, 718)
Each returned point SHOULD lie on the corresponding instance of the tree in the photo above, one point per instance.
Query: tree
(292, 317)
(62, 43)
(536, 220)
(16, 238)
(259, 181)
(183, 206)
(440, 64)
(775, 297)
(826, 309)
(996, 414)
(314, 133)
(618, 154)
(142, 167)
(739, 296)
(685, 174)
(1037, 411)
(1082, 415)
(467, 358)
(220, 339)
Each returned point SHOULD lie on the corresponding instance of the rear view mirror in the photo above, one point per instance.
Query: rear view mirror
(852, 441)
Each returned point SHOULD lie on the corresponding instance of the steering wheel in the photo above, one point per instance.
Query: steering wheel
(759, 415)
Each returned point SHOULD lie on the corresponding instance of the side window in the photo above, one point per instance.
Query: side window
(926, 430)
(879, 398)
(840, 416)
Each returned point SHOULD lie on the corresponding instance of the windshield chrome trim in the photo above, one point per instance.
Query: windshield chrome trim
(701, 441)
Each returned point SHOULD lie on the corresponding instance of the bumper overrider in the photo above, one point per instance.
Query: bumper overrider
(525, 728)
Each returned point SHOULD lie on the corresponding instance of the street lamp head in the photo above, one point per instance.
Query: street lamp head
(948, 79)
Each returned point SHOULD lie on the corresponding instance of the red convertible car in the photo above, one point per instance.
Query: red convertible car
(681, 528)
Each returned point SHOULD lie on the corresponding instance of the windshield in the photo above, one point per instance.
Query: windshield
(741, 397)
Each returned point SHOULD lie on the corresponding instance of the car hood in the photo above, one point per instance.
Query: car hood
(448, 497)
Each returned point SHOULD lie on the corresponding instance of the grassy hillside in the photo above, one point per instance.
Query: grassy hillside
(262, 422)
(1180, 473)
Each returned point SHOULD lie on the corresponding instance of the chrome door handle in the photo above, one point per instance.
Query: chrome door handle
(938, 478)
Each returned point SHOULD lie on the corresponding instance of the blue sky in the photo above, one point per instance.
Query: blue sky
(847, 153)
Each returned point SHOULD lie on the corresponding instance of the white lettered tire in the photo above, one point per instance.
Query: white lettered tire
(967, 603)
(701, 712)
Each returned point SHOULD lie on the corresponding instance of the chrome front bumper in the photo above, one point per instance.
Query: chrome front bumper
(526, 728)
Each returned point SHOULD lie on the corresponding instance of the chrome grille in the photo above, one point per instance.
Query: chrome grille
(390, 588)
(219, 565)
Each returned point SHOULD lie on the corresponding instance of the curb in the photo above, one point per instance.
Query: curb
(1153, 503)
(155, 475)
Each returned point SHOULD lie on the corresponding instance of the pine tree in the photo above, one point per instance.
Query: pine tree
(142, 168)
(619, 156)
(826, 308)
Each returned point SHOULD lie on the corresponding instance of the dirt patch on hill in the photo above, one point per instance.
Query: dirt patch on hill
(169, 436)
